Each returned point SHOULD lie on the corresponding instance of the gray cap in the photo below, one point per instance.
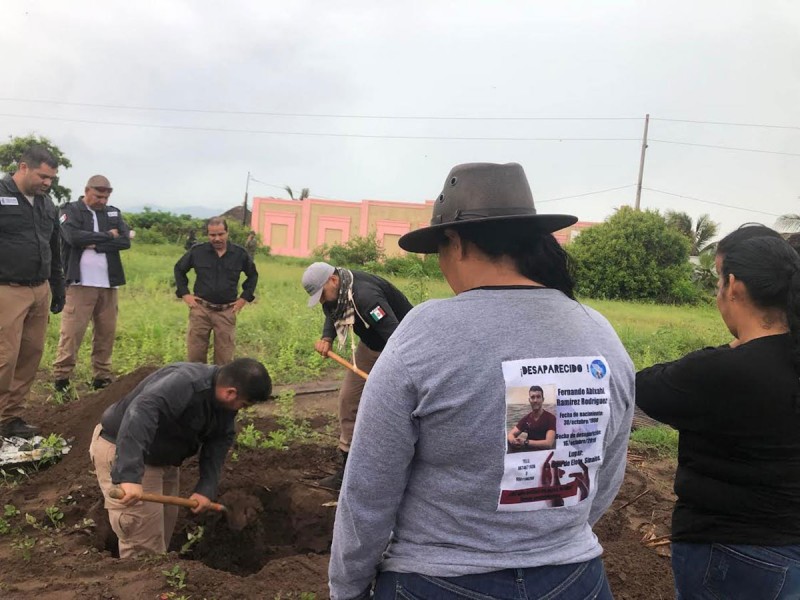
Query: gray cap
(315, 278)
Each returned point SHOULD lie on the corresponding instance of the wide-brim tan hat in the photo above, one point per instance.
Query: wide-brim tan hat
(482, 193)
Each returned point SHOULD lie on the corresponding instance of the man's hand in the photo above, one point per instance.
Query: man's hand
(114, 233)
(516, 442)
(202, 503)
(239, 305)
(133, 493)
(190, 300)
(57, 304)
(323, 346)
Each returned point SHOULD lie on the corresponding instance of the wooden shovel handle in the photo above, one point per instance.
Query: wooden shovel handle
(346, 364)
(117, 493)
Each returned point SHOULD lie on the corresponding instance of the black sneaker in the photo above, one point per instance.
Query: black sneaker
(61, 385)
(16, 427)
(99, 384)
(332, 482)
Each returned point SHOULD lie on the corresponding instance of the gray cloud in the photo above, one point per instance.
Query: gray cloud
(711, 61)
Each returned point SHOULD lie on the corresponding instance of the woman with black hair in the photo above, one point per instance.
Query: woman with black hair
(434, 503)
(736, 524)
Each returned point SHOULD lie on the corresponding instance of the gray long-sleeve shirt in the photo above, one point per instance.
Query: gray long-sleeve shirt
(429, 455)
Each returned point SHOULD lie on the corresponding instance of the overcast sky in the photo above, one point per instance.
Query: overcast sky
(211, 62)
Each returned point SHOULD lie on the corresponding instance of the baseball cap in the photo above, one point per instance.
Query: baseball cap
(315, 278)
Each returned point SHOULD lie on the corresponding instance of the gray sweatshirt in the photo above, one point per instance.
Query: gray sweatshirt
(430, 485)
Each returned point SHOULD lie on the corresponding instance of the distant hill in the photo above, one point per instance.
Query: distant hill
(199, 212)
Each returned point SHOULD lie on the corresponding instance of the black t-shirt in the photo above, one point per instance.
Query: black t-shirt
(738, 414)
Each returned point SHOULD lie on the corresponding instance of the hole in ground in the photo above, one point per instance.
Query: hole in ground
(288, 519)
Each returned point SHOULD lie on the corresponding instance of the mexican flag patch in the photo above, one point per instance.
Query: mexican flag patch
(377, 313)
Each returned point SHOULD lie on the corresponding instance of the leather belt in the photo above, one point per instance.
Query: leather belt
(214, 307)
(34, 283)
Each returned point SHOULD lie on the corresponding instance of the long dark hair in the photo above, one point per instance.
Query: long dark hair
(537, 256)
(769, 269)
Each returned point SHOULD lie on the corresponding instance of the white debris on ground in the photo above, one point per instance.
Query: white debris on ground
(17, 450)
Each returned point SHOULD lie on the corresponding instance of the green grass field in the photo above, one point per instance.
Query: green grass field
(280, 329)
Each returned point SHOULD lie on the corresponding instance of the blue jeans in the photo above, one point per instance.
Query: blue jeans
(580, 581)
(733, 572)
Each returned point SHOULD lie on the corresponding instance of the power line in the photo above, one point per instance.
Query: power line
(283, 187)
(384, 117)
(622, 187)
(794, 127)
(726, 147)
(321, 134)
(711, 202)
(315, 115)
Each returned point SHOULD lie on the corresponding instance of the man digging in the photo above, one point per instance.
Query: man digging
(180, 410)
(357, 303)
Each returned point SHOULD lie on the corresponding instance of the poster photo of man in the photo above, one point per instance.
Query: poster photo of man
(531, 421)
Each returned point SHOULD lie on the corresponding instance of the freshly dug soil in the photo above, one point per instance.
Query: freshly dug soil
(274, 544)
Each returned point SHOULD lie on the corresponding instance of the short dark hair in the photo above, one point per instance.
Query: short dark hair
(216, 221)
(536, 388)
(35, 155)
(250, 378)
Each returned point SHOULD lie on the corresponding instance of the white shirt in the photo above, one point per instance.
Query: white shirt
(94, 265)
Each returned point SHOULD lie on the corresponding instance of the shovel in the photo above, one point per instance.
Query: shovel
(117, 493)
(346, 364)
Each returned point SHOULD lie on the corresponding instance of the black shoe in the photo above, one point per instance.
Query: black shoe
(16, 427)
(61, 385)
(99, 384)
(334, 482)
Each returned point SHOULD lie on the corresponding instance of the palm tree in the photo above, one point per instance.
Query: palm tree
(699, 234)
(303, 193)
(787, 224)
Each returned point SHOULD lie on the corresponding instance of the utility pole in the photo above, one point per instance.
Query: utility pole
(247, 188)
(641, 162)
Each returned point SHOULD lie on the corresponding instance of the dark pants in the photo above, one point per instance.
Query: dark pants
(581, 581)
(733, 572)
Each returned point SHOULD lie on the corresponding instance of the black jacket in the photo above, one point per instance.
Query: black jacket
(217, 276)
(77, 232)
(379, 309)
(171, 415)
(29, 239)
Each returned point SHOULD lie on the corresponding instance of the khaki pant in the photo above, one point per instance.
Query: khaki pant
(24, 313)
(84, 304)
(350, 394)
(202, 321)
(145, 526)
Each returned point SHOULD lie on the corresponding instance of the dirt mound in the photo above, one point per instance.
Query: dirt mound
(274, 542)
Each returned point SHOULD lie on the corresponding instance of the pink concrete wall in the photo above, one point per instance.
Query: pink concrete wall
(308, 221)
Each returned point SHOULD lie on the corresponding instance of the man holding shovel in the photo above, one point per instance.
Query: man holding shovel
(180, 410)
(354, 303)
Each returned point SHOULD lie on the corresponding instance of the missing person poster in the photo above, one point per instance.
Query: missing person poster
(557, 411)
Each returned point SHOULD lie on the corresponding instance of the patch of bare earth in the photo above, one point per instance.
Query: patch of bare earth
(281, 541)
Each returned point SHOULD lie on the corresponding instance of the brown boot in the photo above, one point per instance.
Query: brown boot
(334, 482)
